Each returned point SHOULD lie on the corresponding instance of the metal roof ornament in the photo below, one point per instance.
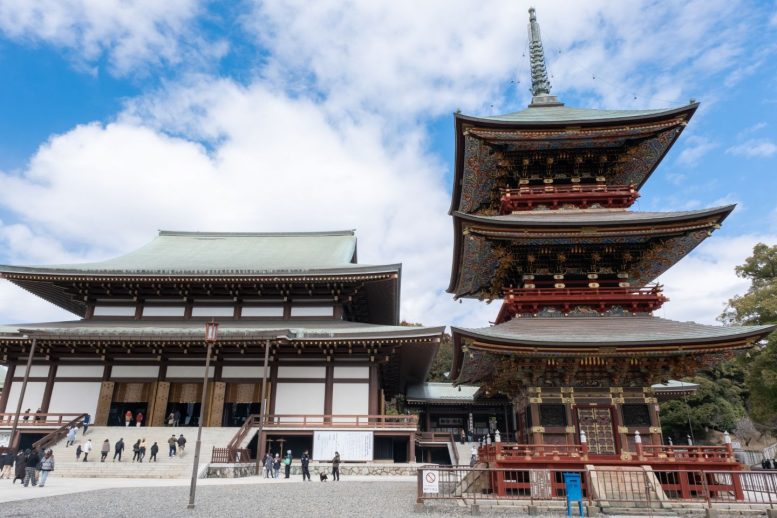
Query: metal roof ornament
(540, 85)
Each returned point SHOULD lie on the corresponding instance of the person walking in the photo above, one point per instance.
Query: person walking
(181, 443)
(104, 450)
(171, 443)
(287, 464)
(268, 465)
(21, 467)
(127, 418)
(46, 467)
(85, 422)
(154, 451)
(142, 448)
(71, 437)
(118, 448)
(136, 450)
(139, 419)
(87, 449)
(276, 465)
(79, 451)
(336, 467)
(305, 461)
(29, 470)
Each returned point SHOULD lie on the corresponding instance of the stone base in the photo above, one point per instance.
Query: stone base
(231, 470)
(248, 470)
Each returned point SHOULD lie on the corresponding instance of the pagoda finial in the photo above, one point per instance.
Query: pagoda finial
(540, 86)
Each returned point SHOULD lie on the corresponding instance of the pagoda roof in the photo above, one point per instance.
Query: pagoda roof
(560, 114)
(475, 261)
(224, 253)
(620, 336)
(642, 136)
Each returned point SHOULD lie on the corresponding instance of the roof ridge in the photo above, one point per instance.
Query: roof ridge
(183, 233)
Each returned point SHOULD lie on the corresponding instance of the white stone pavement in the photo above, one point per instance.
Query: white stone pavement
(64, 486)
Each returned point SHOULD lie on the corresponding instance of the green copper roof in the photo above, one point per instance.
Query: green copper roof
(568, 114)
(637, 330)
(209, 253)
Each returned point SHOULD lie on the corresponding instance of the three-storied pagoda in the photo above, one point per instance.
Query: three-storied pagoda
(331, 325)
(541, 216)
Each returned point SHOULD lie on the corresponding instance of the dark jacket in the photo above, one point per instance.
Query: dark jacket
(21, 464)
(119, 446)
(154, 449)
(33, 459)
(336, 461)
(181, 440)
(305, 460)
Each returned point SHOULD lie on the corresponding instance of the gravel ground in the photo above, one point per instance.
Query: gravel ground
(315, 499)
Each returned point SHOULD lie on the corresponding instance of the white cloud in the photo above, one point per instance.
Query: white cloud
(130, 33)
(755, 148)
(273, 163)
(695, 148)
(701, 284)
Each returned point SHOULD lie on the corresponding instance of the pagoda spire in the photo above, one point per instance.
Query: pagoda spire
(540, 86)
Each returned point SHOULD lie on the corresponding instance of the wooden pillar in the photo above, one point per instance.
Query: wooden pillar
(216, 411)
(411, 447)
(7, 386)
(104, 403)
(273, 377)
(158, 413)
(330, 375)
(373, 408)
(44, 406)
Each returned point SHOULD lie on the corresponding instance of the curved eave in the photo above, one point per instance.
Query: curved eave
(460, 120)
(558, 225)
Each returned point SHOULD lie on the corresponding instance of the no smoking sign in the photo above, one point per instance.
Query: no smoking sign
(431, 481)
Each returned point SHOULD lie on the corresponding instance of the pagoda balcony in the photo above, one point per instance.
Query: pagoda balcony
(532, 300)
(556, 196)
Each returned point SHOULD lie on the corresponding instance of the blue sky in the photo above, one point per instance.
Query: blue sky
(118, 118)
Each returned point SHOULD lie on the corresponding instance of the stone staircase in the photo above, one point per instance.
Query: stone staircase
(165, 467)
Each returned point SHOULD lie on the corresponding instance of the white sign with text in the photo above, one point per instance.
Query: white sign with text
(350, 445)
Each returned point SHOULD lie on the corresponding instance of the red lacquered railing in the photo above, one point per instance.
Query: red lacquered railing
(554, 196)
(340, 421)
(38, 419)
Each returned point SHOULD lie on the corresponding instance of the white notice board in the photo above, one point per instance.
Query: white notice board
(351, 445)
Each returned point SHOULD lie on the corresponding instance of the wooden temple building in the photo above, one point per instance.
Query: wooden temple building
(542, 221)
(336, 349)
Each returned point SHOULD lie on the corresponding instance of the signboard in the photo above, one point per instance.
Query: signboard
(431, 481)
(350, 445)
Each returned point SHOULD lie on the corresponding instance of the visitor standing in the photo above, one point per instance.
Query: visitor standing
(127, 418)
(29, 470)
(8, 460)
(26, 416)
(473, 456)
(46, 467)
(118, 448)
(181, 443)
(287, 464)
(276, 466)
(171, 442)
(305, 461)
(139, 419)
(21, 467)
(87, 449)
(336, 467)
(106, 448)
(136, 450)
(71, 436)
(154, 451)
(85, 422)
(462, 436)
(268, 466)
(142, 450)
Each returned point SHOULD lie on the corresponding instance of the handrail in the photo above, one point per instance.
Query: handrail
(242, 432)
(37, 418)
(230, 456)
(341, 421)
(59, 433)
(562, 189)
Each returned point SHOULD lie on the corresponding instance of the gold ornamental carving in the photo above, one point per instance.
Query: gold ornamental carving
(537, 429)
(651, 400)
(655, 429)
(535, 400)
(570, 429)
(623, 429)
(616, 390)
(569, 400)
(625, 456)
(618, 401)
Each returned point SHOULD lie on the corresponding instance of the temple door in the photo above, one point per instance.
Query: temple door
(597, 424)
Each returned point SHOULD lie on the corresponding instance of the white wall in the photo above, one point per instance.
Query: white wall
(186, 371)
(36, 371)
(135, 371)
(75, 397)
(302, 372)
(33, 396)
(357, 372)
(243, 372)
(299, 398)
(79, 371)
(351, 398)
